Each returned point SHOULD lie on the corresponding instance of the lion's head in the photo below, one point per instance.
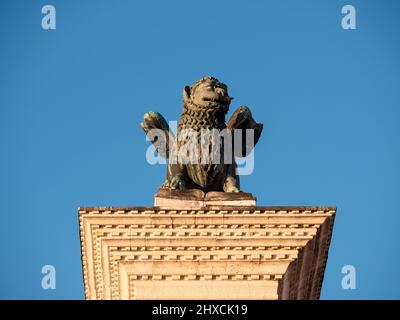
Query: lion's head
(206, 93)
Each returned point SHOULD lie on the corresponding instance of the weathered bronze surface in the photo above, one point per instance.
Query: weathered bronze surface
(205, 105)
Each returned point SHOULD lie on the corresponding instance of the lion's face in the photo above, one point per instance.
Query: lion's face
(208, 92)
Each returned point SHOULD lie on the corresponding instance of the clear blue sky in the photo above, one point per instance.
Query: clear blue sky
(71, 101)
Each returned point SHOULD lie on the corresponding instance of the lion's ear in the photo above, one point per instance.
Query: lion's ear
(186, 93)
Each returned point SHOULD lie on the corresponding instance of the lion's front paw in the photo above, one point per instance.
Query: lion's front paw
(178, 182)
(231, 185)
(166, 184)
(232, 189)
